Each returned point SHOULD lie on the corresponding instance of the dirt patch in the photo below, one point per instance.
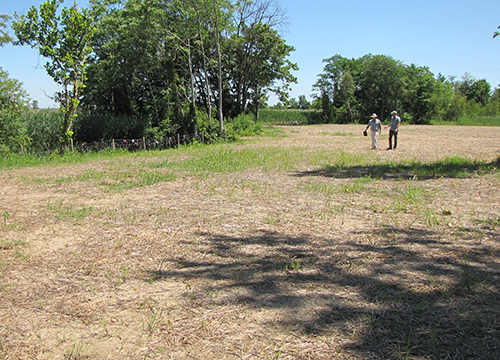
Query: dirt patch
(313, 263)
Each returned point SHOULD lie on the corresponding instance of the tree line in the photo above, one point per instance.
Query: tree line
(349, 90)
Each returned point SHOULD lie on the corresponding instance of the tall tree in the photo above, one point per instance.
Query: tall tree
(337, 86)
(64, 39)
(420, 89)
(258, 64)
(381, 86)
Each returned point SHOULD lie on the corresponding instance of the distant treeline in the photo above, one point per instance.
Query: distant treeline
(350, 90)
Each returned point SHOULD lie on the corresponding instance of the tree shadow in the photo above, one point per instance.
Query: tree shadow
(390, 299)
(453, 167)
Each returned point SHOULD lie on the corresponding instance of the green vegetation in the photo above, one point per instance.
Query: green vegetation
(289, 117)
(349, 90)
(472, 121)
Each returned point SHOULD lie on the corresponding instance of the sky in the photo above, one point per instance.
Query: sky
(451, 37)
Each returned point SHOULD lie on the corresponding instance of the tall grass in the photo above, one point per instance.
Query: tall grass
(14, 160)
(472, 121)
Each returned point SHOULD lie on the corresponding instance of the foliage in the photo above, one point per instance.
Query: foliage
(289, 117)
(13, 101)
(165, 60)
(64, 40)
(91, 127)
(4, 36)
(350, 90)
(43, 129)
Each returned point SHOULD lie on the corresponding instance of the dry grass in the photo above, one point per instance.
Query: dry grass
(312, 260)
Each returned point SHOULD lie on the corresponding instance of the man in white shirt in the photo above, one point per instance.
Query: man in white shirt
(376, 127)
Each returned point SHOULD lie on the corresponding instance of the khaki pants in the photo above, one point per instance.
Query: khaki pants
(374, 139)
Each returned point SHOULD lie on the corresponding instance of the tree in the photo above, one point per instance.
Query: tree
(337, 88)
(13, 101)
(4, 36)
(64, 39)
(420, 87)
(380, 85)
(304, 104)
(257, 64)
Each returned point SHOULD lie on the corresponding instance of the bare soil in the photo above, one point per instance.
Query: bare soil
(312, 263)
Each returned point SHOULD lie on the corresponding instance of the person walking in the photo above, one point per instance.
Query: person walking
(393, 132)
(376, 127)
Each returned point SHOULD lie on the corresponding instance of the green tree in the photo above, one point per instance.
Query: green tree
(381, 87)
(420, 87)
(13, 102)
(164, 60)
(64, 39)
(304, 104)
(259, 63)
(337, 89)
(4, 35)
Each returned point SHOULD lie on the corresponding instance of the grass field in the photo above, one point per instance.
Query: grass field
(301, 244)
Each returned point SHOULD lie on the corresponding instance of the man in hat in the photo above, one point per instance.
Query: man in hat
(393, 132)
(376, 127)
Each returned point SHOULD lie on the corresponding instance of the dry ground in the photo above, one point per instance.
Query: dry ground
(309, 263)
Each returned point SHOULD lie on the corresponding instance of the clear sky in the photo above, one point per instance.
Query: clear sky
(451, 37)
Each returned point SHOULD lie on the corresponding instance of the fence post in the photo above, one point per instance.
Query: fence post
(178, 140)
(71, 144)
(113, 144)
(144, 142)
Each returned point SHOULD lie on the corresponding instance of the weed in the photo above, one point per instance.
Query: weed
(155, 320)
(125, 274)
(75, 352)
(431, 219)
(271, 220)
(21, 255)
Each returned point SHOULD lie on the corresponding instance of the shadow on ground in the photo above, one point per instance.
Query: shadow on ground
(418, 297)
(453, 167)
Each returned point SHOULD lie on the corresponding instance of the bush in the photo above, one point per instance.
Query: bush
(43, 128)
(95, 127)
(289, 117)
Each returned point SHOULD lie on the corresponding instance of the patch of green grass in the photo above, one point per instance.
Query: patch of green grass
(66, 212)
(226, 159)
(352, 186)
(413, 194)
(337, 161)
(119, 180)
(335, 133)
(11, 244)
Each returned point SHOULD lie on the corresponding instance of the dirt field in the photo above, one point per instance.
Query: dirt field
(314, 262)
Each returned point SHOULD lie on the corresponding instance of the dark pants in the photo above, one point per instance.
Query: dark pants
(391, 134)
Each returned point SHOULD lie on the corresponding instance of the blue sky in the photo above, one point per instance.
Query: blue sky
(450, 37)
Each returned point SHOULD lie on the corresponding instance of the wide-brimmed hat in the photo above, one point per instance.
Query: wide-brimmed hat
(394, 112)
(374, 115)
